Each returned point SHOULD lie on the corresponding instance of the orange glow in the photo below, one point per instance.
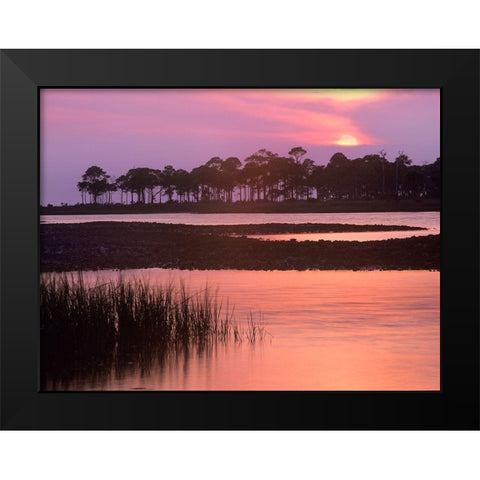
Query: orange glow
(347, 140)
(344, 98)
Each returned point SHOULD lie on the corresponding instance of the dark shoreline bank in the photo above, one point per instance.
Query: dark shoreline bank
(314, 206)
(254, 229)
(123, 245)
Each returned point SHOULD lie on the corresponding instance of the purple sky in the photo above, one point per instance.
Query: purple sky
(121, 129)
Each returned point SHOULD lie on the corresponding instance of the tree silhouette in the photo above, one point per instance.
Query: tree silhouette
(414, 183)
(168, 181)
(297, 153)
(82, 187)
(229, 175)
(267, 176)
(182, 184)
(95, 182)
(401, 162)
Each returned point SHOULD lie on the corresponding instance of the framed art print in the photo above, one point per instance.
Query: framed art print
(214, 240)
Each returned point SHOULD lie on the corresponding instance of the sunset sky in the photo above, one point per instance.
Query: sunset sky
(121, 129)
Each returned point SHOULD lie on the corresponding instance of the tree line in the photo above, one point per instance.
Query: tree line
(268, 176)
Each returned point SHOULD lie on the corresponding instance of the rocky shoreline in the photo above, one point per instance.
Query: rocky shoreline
(122, 245)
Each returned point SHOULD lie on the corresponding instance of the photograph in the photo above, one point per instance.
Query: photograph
(224, 239)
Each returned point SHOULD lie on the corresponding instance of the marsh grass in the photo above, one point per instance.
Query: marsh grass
(86, 325)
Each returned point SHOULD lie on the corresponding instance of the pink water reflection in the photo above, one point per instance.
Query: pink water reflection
(347, 236)
(331, 330)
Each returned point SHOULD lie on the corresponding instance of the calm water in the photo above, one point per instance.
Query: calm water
(330, 330)
(346, 236)
(429, 220)
(414, 219)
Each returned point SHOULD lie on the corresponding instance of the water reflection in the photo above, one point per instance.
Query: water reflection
(347, 236)
(331, 330)
(414, 219)
(125, 366)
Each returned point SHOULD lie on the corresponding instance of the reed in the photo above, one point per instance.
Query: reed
(89, 324)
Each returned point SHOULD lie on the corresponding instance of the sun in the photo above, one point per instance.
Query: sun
(347, 140)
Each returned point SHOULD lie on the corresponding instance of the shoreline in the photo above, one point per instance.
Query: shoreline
(301, 206)
(128, 245)
(253, 228)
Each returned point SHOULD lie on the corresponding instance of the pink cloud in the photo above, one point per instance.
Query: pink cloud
(205, 112)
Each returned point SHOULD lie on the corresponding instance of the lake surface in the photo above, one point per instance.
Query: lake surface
(429, 220)
(328, 330)
(415, 219)
(346, 236)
